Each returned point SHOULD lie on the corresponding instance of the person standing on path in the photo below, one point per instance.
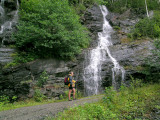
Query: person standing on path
(71, 86)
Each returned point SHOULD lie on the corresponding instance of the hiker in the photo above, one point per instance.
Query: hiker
(71, 86)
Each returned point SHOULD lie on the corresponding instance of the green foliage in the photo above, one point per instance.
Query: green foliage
(50, 29)
(38, 96)
(135, 83)
(21, 57)
(138, 6)
(128, 104)
(88, 112)
(116, 28)
(147, 27)
(86, 3)
(152, 66)
(65, 95)
(109, 96)
(43, 79)
(5, 100)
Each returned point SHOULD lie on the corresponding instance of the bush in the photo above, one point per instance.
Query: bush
(21, 57)
(88, 112)
(147, 27)
(128, 104)
(6, 99)
(38, 96)
(109, 97)
(50, 29)
(43, 79)
(138, 6)
(152, 66)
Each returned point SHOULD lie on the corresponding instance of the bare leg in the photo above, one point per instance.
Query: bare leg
(69, 94)
(74, 91)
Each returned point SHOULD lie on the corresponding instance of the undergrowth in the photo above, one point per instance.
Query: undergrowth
(134, 103)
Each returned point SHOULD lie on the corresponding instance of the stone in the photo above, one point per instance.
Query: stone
(10, 4)
(24, 77)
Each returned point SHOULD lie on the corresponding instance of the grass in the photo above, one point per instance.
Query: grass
(26, 103)
(134, 103)
(33, 102)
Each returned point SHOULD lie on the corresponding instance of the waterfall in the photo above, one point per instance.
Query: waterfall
(2, 11)
(97, 56)
(7, 25)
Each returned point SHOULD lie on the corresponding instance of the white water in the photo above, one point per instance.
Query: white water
(1, 11)
(7, 25)
(92, 72)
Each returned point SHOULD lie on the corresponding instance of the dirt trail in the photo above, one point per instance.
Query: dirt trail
(40, 112)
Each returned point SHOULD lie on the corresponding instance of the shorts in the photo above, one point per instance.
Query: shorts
(71, 88)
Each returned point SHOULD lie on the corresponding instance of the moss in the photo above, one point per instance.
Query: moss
(126, 40)
(26, 82)
(116, 28)
(136, 68)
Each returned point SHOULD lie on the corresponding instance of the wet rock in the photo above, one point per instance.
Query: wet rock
(10, 4)
(29, 74)
(23, 78)
(124, 21)
(93, 20)
(5, 55)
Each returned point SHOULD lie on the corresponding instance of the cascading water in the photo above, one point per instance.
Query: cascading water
(2, 15)
(7, 25)
(92, 71)
(8, 20)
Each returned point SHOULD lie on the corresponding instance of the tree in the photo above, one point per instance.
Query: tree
(146, 9)
(50, 28)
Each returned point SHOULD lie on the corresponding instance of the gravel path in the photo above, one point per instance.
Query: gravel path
(40, 112)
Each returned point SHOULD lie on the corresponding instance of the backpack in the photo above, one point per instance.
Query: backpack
(66, 80)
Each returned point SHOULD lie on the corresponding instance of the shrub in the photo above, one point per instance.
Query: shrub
(38, 96)
(147, 27)
(4, 100)
(88, 112)
(43, 79)
(152, 66)
(50, 29)
(138, 6)
(127, 104)
(21, 57)
(109, 97)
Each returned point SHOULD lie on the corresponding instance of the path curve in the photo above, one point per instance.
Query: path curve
(40, 112)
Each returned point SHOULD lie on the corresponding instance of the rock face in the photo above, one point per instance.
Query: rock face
(22, 80)
(5, 55)
(130, 54)
(93, 20)
(15, 78)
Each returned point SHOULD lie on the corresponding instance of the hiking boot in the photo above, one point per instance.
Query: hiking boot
(69, 100)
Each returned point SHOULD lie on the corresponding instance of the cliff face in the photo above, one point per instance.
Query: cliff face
(22, 79)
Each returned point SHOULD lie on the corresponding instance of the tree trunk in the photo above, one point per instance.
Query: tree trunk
(146, 9)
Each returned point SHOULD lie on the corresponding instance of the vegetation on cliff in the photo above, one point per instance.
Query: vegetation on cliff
(137, 6)
(50, 29)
